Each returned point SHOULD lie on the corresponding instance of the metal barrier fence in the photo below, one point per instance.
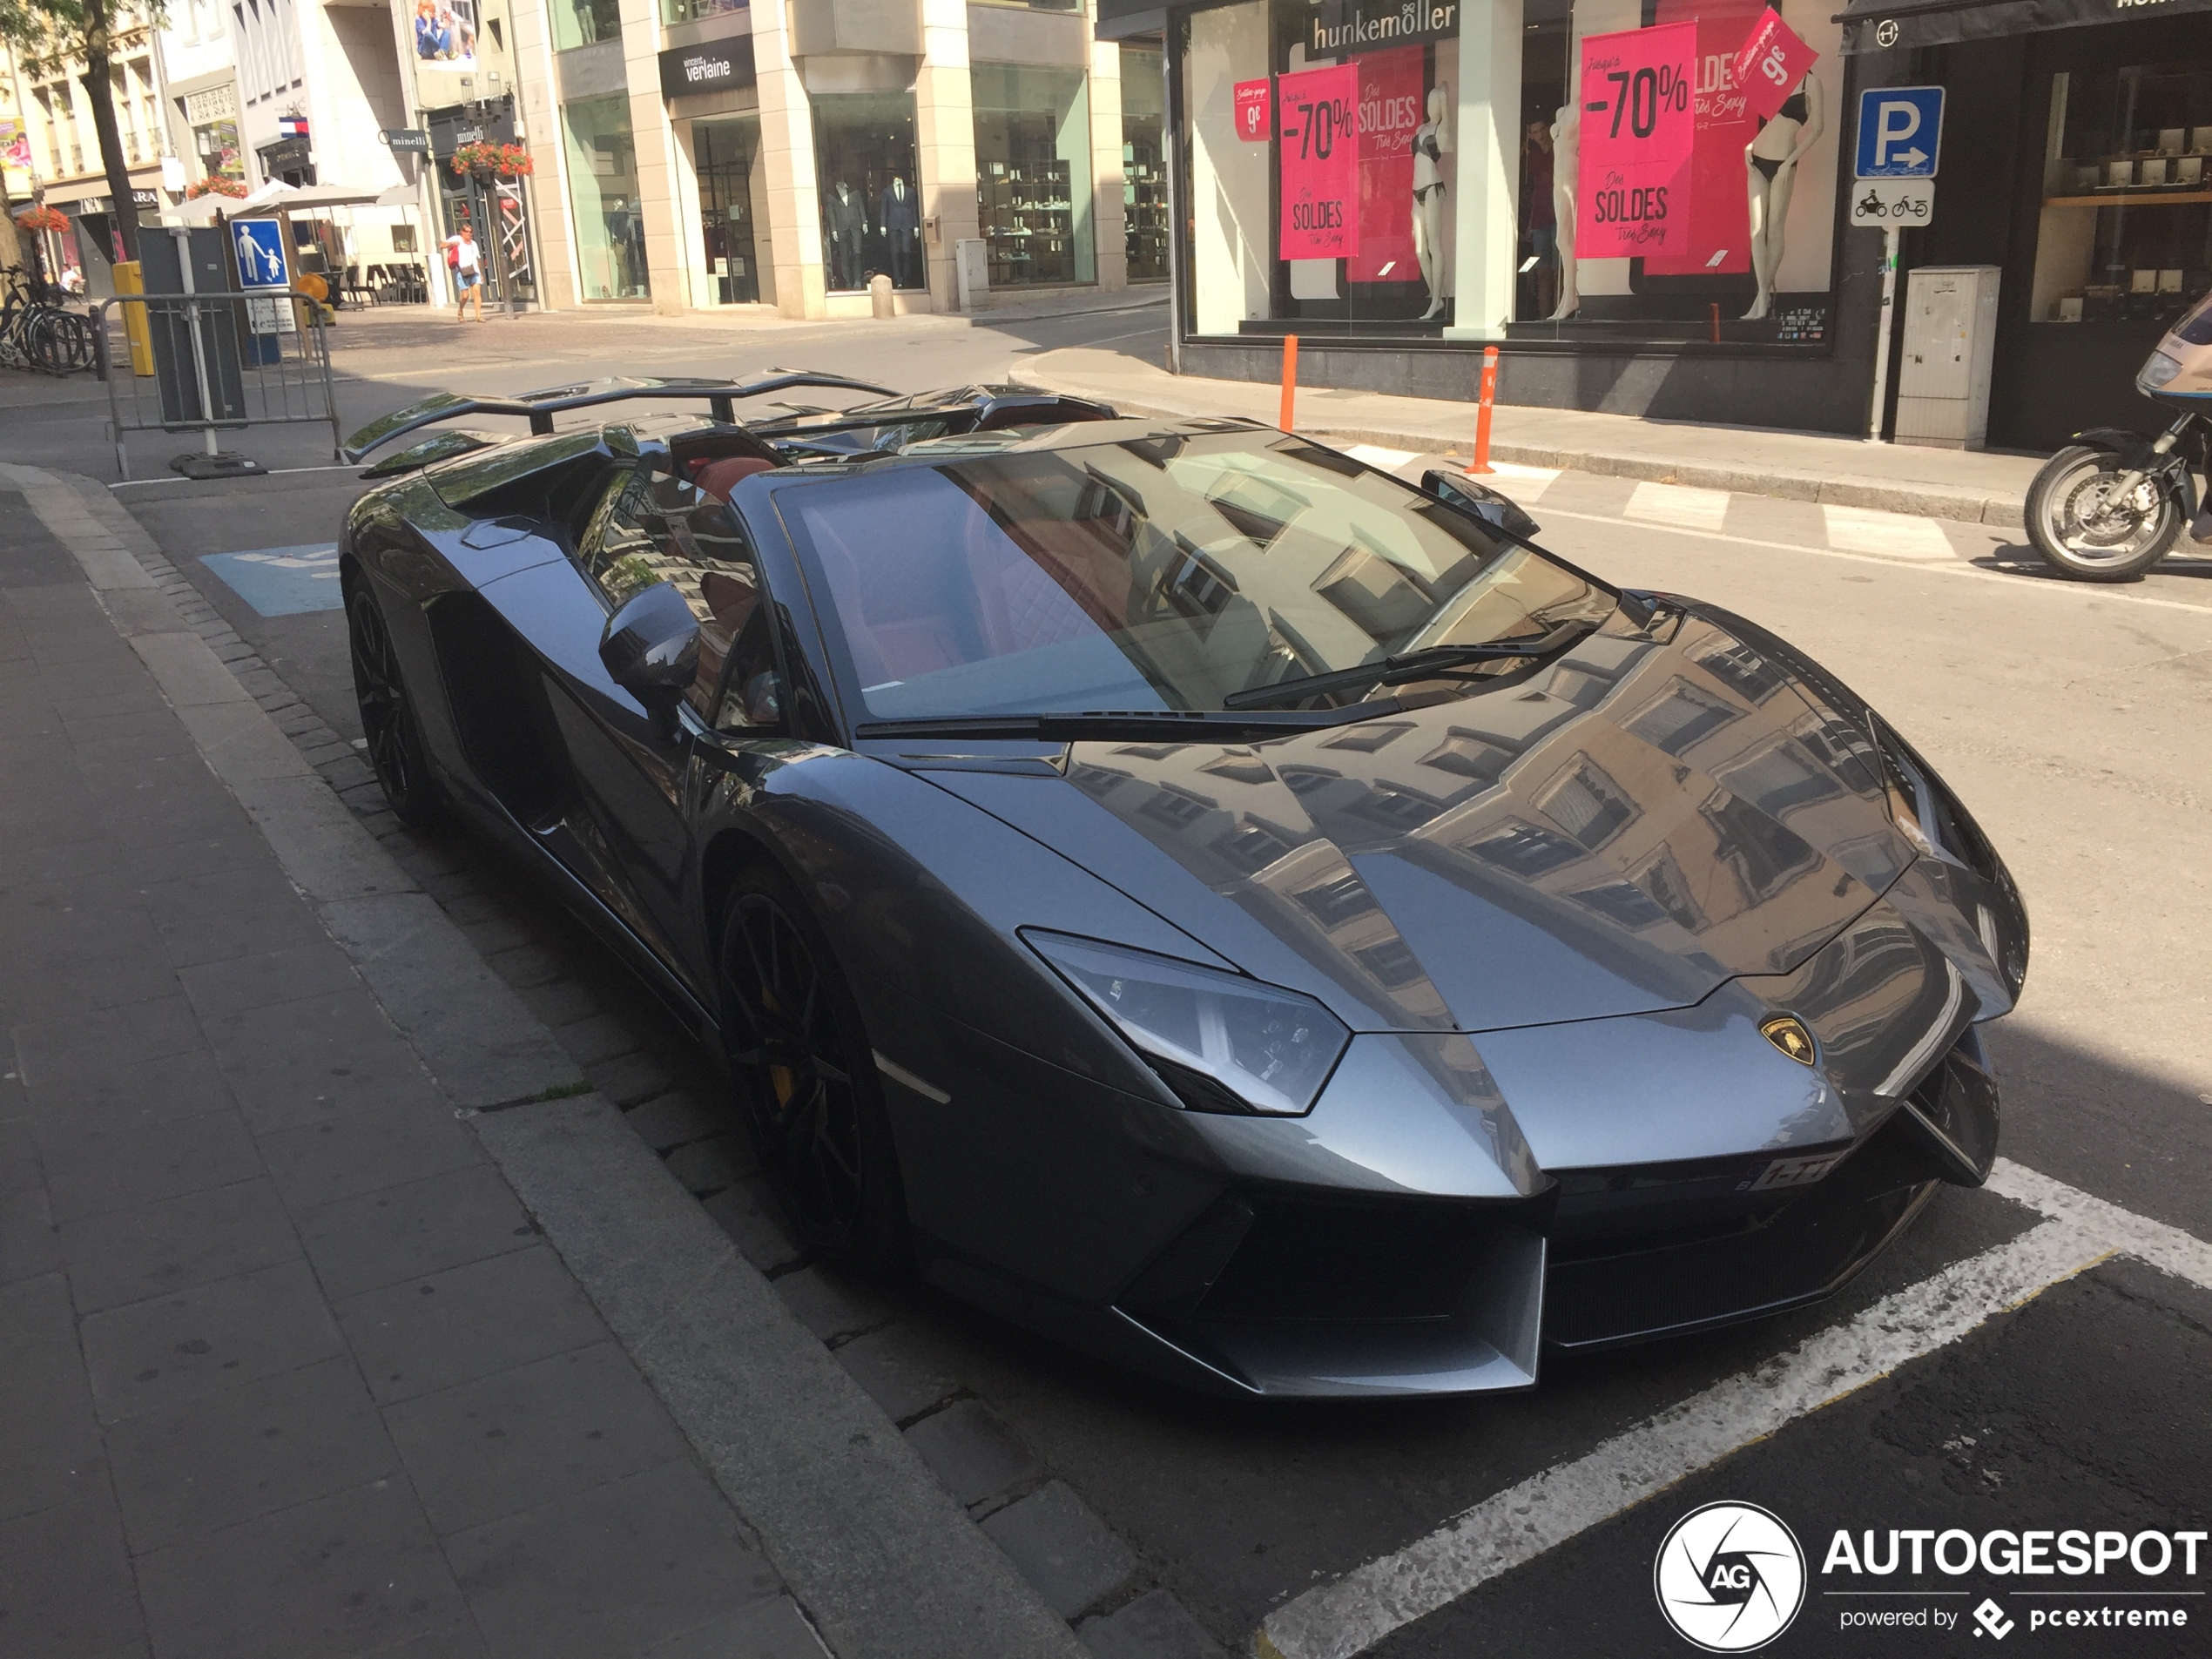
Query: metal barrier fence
(216, 362)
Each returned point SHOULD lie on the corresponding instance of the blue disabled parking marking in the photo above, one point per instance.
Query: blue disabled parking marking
(282, 581)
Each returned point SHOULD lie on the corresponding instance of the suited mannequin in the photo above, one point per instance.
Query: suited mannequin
(846, 215)
(902, 221)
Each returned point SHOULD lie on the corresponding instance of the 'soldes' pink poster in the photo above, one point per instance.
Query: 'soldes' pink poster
(1318, 117)
(1638, 134)
(1720, 220)
(1392, 86)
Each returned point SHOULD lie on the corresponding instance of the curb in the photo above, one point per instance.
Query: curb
(881, 1556)
(1959, 506)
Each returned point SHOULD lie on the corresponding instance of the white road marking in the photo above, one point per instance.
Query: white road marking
(1379, 458)
(2078, 593)
(1861, 529)
(1524, 484)
(1677, 504)
(1513, 1527)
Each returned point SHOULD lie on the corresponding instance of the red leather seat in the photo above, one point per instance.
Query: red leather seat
(721, 475)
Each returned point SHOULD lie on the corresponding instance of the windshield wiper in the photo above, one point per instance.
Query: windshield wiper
(1172, 725)
(1415, 665)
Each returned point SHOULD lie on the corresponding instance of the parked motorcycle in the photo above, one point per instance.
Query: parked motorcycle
(2112, 503)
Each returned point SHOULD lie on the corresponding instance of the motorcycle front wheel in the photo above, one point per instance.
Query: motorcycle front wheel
(2083, 533)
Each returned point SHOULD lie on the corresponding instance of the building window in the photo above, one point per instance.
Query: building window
(1730, 241)
(1144, 180)
(584, 23)
(2126, 229)
(864, 156)
(1033, 173)
(603, 191)
(674, 11)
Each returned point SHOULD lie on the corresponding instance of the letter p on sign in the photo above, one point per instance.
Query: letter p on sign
(1901, 132)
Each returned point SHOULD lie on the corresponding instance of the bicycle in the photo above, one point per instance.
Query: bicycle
(37, 331)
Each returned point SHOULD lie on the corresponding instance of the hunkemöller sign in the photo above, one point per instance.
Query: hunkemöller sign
(1361, 25)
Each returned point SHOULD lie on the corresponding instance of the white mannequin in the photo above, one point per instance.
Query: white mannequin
(1567, 136)
(1770, 175)
(1432, 143)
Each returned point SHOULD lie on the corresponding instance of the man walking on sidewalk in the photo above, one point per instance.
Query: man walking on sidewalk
(468, 262)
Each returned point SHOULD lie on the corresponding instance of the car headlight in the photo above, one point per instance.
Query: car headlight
(1928, 814)
(1221, 1043)
(2159, 372)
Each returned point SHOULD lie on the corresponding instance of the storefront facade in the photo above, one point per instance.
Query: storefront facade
(1648, 213)
(700, 154)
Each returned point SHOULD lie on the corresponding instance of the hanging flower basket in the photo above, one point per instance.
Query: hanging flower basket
(214, 185)
(508, 160)
(42, 219)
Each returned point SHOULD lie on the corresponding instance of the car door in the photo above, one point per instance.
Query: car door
(639, 774)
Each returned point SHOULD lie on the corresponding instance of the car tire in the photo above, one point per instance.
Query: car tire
(2067, 482)
(804, 1074)
(388, 723)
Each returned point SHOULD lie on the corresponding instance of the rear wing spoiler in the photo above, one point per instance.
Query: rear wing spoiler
(539, 407)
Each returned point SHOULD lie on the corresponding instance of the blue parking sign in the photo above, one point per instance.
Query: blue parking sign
(1901, 132)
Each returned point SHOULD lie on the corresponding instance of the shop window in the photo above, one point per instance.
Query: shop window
(1355, 171)
(584, 23)
(864, 156)
(1144, 182)
(603, 193)
(2126, 229)
(1033, 174)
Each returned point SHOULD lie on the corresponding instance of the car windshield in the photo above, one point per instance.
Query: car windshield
(1165, 572)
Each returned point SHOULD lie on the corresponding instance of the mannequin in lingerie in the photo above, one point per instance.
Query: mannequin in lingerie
(1432, 143)
(1770, 175)
(1567, 135)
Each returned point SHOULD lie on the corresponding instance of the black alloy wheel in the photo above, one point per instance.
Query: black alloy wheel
(806, 1075)
(388, 717)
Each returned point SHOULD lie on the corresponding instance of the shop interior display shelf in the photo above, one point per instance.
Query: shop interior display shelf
(2154, 195)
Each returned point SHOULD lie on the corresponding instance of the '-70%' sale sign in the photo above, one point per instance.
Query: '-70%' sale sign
(1638, 131)
(1318, 111)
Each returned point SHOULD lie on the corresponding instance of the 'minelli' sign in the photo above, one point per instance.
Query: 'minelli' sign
(711, 66)
(1356, 26)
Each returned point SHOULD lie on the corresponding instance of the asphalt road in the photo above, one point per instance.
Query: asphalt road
(2071, 719)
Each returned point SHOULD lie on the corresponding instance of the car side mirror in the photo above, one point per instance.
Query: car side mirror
(1494, 506)
(650, 647)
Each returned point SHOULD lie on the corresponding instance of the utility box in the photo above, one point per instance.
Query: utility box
(971, 272)
(1950, 340)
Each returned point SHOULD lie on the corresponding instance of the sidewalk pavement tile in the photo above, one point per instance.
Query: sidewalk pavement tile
(467, 1322)
(267, 978)
(832, 1304)
(315, 1059)
(772, 1627)
(122, 1257)
(66, 1581)
(51, 1451)
(217, 894)
(59, 1050)
(137, 1091)
(413, 1229)
(268, 1446)
(170, 1349)
(226, 936)
(611, 1570)
(18, 1159)
(319, 1163)
(896, 1371)
(971, 1451)
(526, 1437)
(96, 1167)
(1154, 1626)
(29, 1246)
(121, 737)
(1065, 1552)
(339, 1575)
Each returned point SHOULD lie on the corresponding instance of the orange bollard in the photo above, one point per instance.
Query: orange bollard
(1483, 414)
(1290, 379)
(1715, 309)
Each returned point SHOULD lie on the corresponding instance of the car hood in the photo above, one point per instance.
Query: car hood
(1640, 821)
